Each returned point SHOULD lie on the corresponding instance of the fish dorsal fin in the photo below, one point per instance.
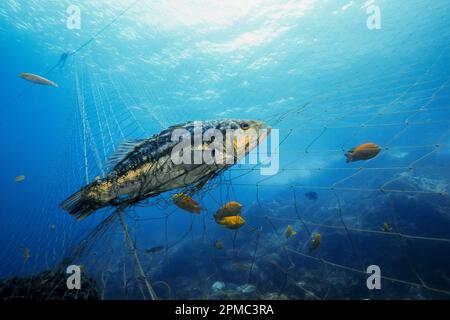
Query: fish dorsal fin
(124, 149)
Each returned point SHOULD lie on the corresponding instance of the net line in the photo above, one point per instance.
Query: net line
(119, 109)
(88, 138)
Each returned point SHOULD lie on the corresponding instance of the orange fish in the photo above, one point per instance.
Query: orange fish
(315, 241)
(233, 222)
(185, 202)
(365, 151)
(232, 208)
(290, 232)
(218, 245)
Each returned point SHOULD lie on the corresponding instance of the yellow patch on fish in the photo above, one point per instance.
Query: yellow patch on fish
(290, 232)
(131, 175)
(232, 222)
(185, 202)
(100, 190)
(243, 143)
(104, 188)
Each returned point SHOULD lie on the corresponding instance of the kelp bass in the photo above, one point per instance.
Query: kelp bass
(141, 169)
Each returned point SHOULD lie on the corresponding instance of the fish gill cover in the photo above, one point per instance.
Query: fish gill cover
(356, 185)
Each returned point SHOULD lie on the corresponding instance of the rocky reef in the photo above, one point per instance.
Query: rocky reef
(47, 285)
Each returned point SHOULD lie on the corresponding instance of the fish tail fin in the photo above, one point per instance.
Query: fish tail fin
(80, 205)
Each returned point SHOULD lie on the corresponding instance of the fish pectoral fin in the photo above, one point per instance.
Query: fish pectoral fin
(122, 151)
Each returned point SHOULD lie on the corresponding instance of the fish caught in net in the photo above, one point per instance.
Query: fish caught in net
(362, 177)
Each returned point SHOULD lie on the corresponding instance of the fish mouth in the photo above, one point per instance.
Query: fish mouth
(264, 135)
(264, 131)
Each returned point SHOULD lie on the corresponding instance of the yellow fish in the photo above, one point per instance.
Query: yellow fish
(25, 254)
(365, 151)
(232, 208)
(386, 227)
(315, 242)
(37, 79)
(290, 232)
(185, 202)
(20, 178)
(218, 245)
(241, 266)
(232, 222)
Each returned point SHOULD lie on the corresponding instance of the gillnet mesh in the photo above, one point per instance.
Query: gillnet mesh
(391, 211)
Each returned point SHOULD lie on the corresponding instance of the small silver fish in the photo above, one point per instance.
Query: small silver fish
(246, 288)
(20, 178)
(37, 79)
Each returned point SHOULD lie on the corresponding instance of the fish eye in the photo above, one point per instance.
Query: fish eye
(245, 126)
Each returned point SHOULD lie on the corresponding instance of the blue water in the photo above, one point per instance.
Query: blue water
(162, 63)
